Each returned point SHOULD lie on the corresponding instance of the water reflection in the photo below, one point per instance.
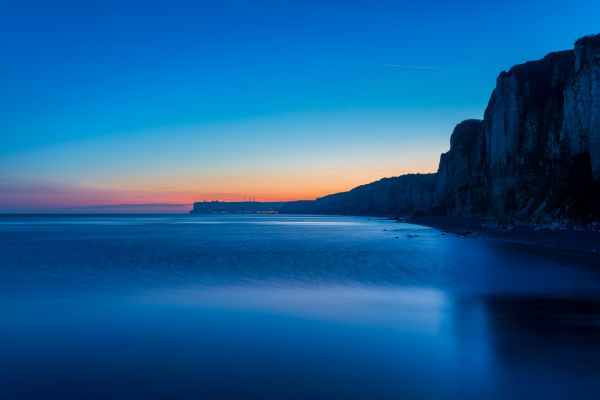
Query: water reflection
(497, 346)
(352, 304)
(547, 347)
(276, 341)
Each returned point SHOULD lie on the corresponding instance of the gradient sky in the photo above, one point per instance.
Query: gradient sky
(126, 102)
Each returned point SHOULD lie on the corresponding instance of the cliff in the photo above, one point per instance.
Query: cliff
(460, 186)
(403, 195)
(536, 155)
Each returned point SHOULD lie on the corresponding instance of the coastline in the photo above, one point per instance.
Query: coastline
(563, 240)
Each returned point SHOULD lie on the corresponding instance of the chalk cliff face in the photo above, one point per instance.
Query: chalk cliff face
(403, 195)
(522, 132)
(537, 158)
(581, 123)
(460, 183)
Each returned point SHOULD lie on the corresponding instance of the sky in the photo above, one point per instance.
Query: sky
(164, 103)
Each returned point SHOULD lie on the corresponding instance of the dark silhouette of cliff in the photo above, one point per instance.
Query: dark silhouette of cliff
(403, 195)
(535, 157)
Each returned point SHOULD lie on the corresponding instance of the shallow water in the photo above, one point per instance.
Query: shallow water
(284, 307)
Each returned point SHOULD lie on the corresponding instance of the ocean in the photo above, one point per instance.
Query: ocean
(288, 307)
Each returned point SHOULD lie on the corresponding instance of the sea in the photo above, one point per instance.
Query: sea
(288, 307)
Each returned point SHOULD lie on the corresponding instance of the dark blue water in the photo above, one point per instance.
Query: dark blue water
(281, 307)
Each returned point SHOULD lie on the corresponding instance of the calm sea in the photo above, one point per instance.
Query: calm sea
(288, 307)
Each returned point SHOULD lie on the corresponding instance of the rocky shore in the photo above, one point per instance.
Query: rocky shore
(549, 238)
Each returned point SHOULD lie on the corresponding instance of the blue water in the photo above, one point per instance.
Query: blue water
(288, 307)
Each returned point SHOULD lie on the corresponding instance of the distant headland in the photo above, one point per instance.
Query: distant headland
(534, 158)
(236, 207)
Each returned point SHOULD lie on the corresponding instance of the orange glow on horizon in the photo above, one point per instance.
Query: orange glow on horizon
(273, 188)
(181, 192)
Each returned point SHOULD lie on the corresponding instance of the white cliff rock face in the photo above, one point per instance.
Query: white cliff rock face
(459, 181)
(502, 128)
(581, 124)
(523, 123)
(539, 159)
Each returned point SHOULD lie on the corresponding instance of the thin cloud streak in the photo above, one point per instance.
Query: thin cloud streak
(387, 65)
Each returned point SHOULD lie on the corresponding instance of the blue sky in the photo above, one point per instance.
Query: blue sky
(118, 102)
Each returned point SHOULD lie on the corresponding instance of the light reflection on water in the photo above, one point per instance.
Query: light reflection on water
(272, 307)
(419, 308)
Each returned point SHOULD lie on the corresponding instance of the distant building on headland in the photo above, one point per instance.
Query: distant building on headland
(239, 207)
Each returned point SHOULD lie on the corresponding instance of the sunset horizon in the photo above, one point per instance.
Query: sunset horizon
(110, 107)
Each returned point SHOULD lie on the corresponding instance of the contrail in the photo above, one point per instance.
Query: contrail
(388, 65)
(425, 67)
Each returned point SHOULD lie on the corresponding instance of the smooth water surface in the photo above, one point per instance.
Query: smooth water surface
(288, 307)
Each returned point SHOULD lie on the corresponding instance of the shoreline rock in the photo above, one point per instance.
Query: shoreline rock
(554, 238)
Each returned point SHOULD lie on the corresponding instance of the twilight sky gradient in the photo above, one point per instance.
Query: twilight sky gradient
(120, 102)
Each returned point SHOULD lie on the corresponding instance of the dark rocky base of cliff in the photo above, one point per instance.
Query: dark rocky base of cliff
(557, 239)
